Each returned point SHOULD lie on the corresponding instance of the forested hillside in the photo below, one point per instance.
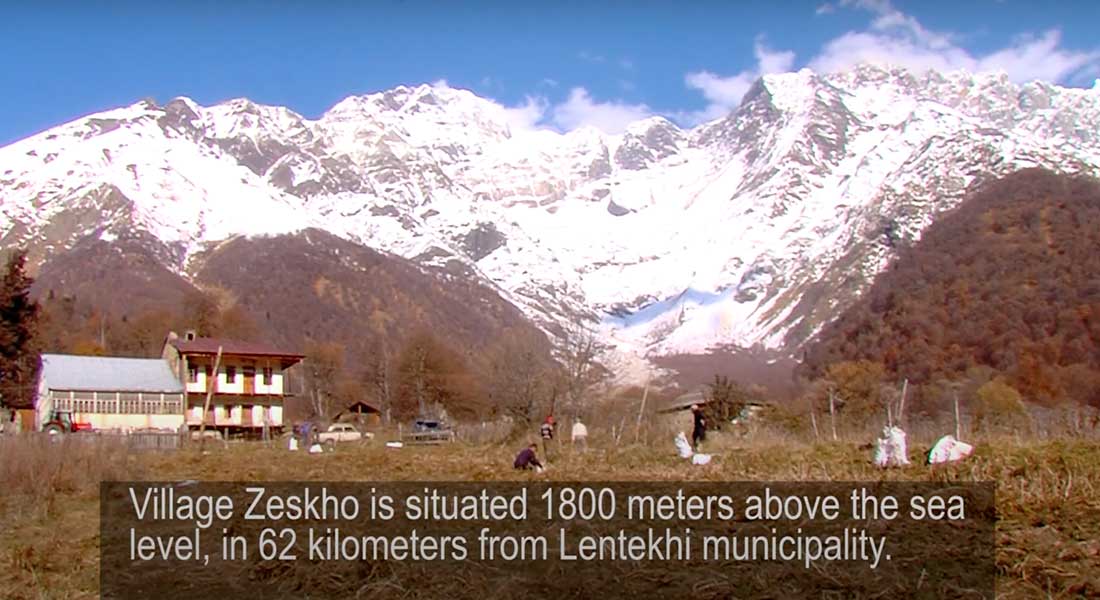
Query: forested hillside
(1006, 286)
(373, 326)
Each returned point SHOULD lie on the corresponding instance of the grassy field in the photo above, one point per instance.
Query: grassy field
(1048, 533)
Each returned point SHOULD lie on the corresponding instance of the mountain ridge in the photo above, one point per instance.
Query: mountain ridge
(779, 213)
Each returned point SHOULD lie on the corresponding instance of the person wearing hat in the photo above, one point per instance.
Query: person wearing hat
(699, 431)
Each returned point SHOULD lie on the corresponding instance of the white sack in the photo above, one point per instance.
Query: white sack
(395, 445)
(948, 449)
(316, 449)
(891, 449)
(700, 459)
(293, 444)
(683, 447)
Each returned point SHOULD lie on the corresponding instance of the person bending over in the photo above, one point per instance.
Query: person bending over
(526, 458)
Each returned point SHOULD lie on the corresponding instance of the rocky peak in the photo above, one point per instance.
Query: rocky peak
(647, 142)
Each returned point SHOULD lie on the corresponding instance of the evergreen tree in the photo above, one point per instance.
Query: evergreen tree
(19, 352)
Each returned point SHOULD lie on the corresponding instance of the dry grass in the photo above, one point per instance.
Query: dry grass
(1048, 510)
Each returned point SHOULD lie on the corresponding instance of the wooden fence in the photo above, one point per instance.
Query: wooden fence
(139, 440)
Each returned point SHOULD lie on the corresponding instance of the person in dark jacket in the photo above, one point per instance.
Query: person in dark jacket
(699, 431)
(526, 458)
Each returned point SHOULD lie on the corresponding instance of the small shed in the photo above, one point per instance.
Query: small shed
(110, 392)
(361, 412)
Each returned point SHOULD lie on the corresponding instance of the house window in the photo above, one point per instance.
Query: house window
(192, 374)
(231, 374)
(267, 375)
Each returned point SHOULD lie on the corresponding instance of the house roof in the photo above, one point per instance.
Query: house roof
(108, 374)
(209, 345)
(684, 401)
(367, 405)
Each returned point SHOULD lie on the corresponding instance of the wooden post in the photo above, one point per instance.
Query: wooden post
(901, 404)
(641, 409)
(619, 435)
(832, 414)
(209, 393)
(957, 424)
(813, 421)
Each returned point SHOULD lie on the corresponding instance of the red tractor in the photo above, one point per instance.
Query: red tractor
(62, 422)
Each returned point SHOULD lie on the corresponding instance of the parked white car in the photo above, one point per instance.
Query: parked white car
(342, 432)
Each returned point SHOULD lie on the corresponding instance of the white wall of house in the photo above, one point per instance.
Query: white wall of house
(237, 386)
(199, 385)
(233, 415)
(78, 404)
(128, 422)
(276, 386)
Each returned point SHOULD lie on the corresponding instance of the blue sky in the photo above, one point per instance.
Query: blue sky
(561, 64)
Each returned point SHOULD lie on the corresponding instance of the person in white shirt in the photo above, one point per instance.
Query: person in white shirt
(580, 436)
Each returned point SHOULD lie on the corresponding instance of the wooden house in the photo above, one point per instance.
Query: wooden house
(362, 413)
(110, 393)
(248, 389)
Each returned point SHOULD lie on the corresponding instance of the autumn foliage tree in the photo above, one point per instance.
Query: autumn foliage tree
(1006, 281)
(726, 399)
(856, 387)
(74, 325)
(999, 406)
(581, 370)
(433, 377)
(520, 376)
(322, 367)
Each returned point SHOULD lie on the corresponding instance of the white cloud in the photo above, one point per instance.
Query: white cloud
(896, 38)
(723, 94)
(825, 9)
(526, 116)
(580, 110)
(1040, 58)
(587, 56)
(878, 6)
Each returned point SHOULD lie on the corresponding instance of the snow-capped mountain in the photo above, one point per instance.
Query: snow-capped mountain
(752, 230)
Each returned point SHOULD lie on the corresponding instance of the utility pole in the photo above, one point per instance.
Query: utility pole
(210, 385)
(641, 410)
(832, 413)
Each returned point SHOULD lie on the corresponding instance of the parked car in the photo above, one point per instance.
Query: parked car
(429, 431)
(342, 432)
